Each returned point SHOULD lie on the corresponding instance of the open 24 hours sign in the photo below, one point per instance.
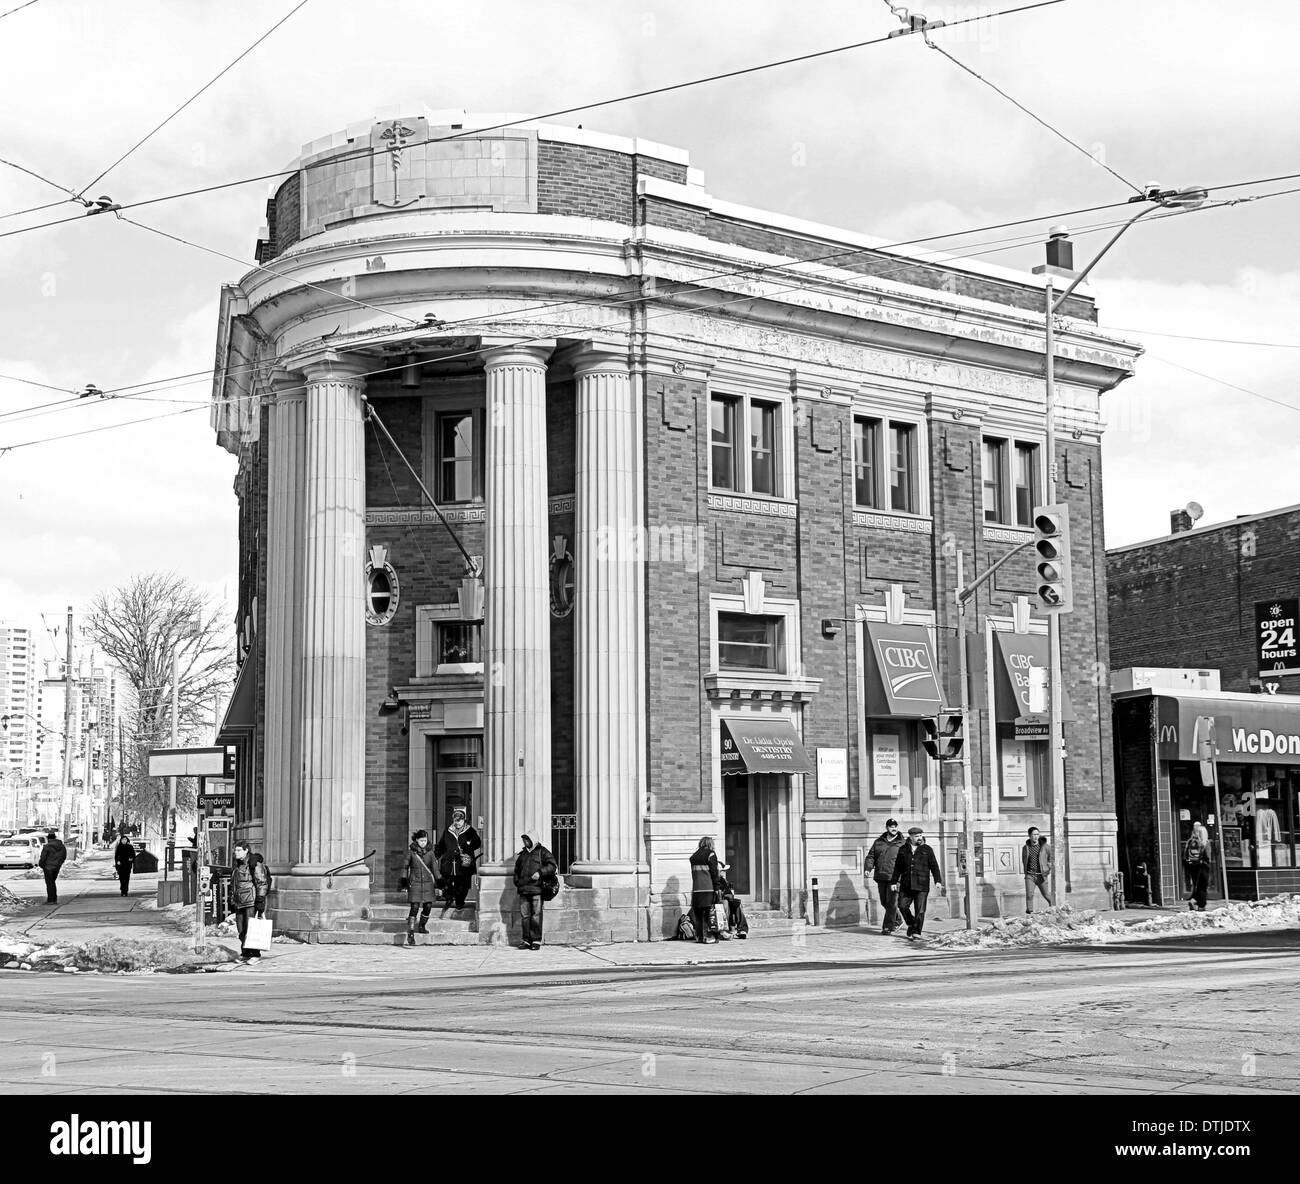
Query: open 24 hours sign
(1275, 622)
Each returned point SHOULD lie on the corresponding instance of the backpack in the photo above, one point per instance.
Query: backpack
(1194, 852)
(685, 930)
(550, 887)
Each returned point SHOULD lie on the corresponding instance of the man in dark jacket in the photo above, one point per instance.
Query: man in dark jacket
(880, 866)
(51, 859)
(912, 871)
(535, 866)
(705, 880)
(1036, 863)
(124, 861)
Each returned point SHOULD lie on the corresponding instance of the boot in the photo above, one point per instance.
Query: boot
(423, 927)
(410, 931)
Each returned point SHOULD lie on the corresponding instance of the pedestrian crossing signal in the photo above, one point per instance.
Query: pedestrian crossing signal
(1052, 558)
(943, 737)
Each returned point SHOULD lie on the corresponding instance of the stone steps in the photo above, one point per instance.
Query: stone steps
(434, 925)
(379, 937)
(399, 912)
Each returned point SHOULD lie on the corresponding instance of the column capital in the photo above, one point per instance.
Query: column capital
(286, 384)
(331, 366)
(500, 351)
(593, 357)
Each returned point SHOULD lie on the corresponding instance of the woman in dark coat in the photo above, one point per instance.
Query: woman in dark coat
(457, 853)
(421, 879)
(705, 879)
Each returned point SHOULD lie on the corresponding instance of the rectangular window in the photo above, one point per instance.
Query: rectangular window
(459, 469)
(762, 448)
(751, 642)
(722, 425)
(460, 752)
(895, 766)
(1026, 483)
(458, 642)
(902, 467)
(994, 450)
(1022, 766)
(866, 444)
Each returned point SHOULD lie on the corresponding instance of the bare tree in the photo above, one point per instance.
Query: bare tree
(139, 626)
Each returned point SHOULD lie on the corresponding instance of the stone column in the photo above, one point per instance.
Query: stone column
(517, 620)
(326, 818)
(608, 682)
(286, 446)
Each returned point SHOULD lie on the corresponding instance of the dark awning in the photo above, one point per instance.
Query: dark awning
(762, 746)
(1018, 651)
(1249, 729)
(906, 680)
(239, 718)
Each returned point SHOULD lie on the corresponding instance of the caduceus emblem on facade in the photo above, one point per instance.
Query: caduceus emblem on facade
(395, 135)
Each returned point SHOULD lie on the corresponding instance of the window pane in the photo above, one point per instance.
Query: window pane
(993, 480)
(762, 446)
(722, 423)
(460, 641)
(456, 457)
(749, 643)
(1023, 769)
(460, 752)
(894, 770)
(902, 494)
(1026, 454)
(866, 440)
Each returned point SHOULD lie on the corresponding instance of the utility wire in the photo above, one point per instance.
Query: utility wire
(1223, 382)
(158, 385)
(1020, 106)
(18, 9)
(192, 97)
(72, 194)
(365, 153)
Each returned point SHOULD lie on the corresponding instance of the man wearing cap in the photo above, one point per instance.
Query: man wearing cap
(534, 865)
(457, 853)
(880, 865)
(912, 871)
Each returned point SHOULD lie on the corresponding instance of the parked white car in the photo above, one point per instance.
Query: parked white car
(21, 851)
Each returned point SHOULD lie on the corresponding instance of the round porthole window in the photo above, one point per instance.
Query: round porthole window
(382, 588)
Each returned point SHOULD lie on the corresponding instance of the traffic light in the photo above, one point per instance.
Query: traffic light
(943, 736)
(1052, 560)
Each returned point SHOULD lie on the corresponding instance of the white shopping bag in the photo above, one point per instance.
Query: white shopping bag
(259, 934)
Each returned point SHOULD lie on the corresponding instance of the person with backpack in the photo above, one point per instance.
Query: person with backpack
(705, 879)
(124, 862)
(1196, 857)
(880, 866)
(248, 886)
(536, 881)
(259, 903)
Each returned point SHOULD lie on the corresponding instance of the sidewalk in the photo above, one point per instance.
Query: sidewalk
(92, 908)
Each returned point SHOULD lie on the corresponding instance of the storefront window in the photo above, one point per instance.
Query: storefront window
(896, 765)
(1023, 770)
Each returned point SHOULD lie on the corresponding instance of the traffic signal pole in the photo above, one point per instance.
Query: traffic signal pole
(1055, 740)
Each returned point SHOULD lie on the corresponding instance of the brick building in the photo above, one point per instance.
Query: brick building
(1195, 636)
(701, 474)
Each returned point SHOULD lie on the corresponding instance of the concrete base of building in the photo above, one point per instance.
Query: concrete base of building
(302, 905)
(592, 908)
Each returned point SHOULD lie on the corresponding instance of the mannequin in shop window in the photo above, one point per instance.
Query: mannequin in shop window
(1267, 831)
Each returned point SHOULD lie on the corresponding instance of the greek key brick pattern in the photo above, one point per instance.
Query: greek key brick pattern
(753, 505)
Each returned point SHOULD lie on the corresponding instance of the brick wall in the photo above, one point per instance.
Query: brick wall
(584, 182)
(1189, 600)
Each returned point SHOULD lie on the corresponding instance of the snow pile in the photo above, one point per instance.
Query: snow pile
(16, 950)
(9, 903)
(1066, 926)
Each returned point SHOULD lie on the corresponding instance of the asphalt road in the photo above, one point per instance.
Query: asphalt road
(1201, 1015)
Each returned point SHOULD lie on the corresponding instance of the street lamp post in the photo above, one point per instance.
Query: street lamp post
(1186, 199)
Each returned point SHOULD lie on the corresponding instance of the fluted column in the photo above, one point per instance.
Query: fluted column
(608, 686)
(328, 825)
(286, 446)
(517, 623)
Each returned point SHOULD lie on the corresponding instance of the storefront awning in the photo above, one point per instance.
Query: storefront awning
(1249, 729)
(239, 718)
(762, 746)
(905, 680)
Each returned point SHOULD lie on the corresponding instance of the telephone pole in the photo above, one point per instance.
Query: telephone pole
(65, 797)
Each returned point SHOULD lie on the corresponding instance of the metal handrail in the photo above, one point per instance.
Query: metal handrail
(370, 871)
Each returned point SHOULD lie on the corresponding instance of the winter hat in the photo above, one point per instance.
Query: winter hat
(459, 810)
(891, 822)
(916, 830)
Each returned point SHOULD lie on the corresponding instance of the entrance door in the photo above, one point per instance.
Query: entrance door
(747, 804)
(457, 779)
(1194, 802)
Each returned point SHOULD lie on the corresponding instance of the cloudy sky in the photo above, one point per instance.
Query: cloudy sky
(891, 140)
